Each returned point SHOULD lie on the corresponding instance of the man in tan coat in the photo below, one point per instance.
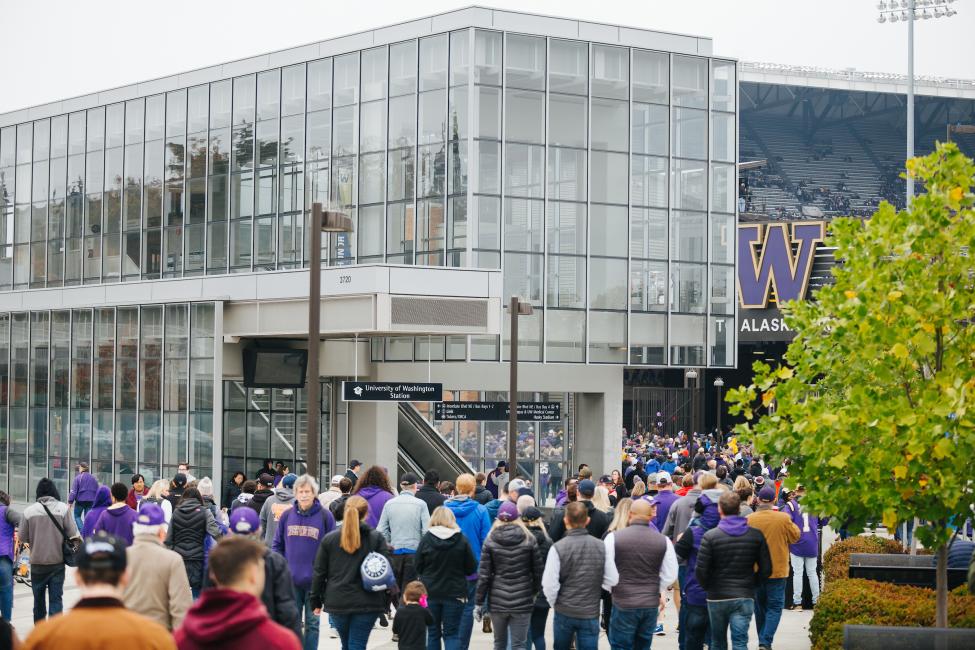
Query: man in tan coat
(158, 587)
(779, 532)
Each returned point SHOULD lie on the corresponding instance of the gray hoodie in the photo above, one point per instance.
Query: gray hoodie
(403, 521)
(280, 500)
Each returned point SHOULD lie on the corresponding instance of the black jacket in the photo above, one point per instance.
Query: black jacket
(336, 584)
(599, 521)
(510, 573)
(279, 592)
(231, 493)
(444, 564)
(430, 496)
(544, 544)
(482, 495)
(191, 523)
(726, 563)
(257, 502)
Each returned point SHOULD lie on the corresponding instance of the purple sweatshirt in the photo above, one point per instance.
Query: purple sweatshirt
(664, 499)
(298, 536)
(808, 544)
(83, 488)
(118, 522)
(377, 498)
(103, 499)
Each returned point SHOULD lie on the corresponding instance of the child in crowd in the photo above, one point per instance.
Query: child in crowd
(412, 619)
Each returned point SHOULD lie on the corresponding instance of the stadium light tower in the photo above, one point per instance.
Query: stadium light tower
(908, 11)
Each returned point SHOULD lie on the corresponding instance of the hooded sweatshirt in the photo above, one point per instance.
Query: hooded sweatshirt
(665, 499)
(280, 500)
(298, 536)
(103, 499)
(689, 544)
(474, 522)
(118, 521)
(443, 561)
(377, 498)
(242, 499)
(223, 618)
(84, 488)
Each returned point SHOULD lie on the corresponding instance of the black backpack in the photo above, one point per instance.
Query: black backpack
(337, 507)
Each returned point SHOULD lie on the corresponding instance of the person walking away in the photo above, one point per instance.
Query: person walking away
(575, 572)
(234, 488)
(332, 493)
(45, 526)
(159, 494)
(475, 524)
(413, 619)
(804, 554)
(82, 494)
(496, 478)
(137, 492)
(599, 521)
(779, 533)
(299, 534)
(176, 489)
(157, 587)
(100, 619)
(402, 524)
(190, 525)
(247, 491)
(265, 485)
(103, 499)
(205, 486)
(278, 595)
(732, 559)
(117, 520)
(282, 497)
(337, 506)
(481, 494)
(444, 559)
(647, 565)
(373, 486)
(509, 575)
(230, 615)
(337, 583)
(694, 605)
(665, 499)
(429, 492)
(533, 519)
(355, 468)
(9, 521)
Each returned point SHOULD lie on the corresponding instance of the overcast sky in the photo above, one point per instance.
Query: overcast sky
(55, 49)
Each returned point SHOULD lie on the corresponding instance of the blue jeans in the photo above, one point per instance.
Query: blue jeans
(6, 587)
(353, 630)
(310, 629)
(81, 509)
(696, 624)
(467, 618)
(47, 582)
(769, 600)
(447, 613)
(585, 629)
(632, 628)
(736, 613)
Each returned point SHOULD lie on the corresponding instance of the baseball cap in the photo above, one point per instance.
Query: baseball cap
(150, 515)
(337, 479)
(408, 479)
(605, 478)
(508, 511)
(767, 493)
(587, 488)
(244, 521)
(759, 481)
(663, 478)
(265, 479)
(289, 481)
(354, 463)
(180, 480)
(515, 485)
(102, 551)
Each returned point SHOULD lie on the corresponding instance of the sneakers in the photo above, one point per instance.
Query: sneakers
(660, 630)
(395, 638)
(383, 621)
(795, 607)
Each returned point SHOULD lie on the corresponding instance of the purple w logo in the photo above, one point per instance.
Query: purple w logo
(777, 266)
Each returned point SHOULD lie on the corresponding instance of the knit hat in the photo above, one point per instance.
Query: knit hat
(587, 488)
(531, 513)
(767, 493)
(46, 488)
(289, 481)
(244, 521)
(508, 511)
(150, 515)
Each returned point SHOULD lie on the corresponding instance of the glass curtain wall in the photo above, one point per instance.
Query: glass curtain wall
(127, 389)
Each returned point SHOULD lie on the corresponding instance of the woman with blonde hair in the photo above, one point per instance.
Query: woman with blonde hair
(639, 488)
(158, 494)
(337, 583)
(443, 561)
(621, 516)
(600, 499)
(535, 523)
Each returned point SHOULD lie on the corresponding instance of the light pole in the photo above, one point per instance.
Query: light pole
(330, 221)
(719, 384)
(516, 308)
(908, 11)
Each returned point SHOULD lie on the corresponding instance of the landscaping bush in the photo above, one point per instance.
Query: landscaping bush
(865, 602)
(836, 560)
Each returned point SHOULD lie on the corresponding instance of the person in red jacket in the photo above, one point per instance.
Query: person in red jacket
(138, 490)
(231, 615)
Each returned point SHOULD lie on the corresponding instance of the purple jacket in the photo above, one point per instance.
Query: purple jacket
(298, 536)
(693, 591)
(664, 500)
(7, 531)
(808, 544)
(83, 488)
(103, 499)
(377, 498)
(118, 522)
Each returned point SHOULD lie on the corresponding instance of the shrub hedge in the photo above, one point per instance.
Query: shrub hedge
(836, 560)
(866, 602)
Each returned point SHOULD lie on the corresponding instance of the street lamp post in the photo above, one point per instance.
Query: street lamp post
(719, 384)
(908, 11)
(516, 308)
(330, 221)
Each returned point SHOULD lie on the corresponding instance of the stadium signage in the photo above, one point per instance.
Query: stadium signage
(773, 257)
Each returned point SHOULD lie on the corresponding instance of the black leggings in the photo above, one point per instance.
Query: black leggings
(536, 630)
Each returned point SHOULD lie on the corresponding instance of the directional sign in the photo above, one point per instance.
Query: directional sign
(498, 411)
(390, 391)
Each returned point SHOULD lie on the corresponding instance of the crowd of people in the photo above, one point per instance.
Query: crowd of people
(694, 524)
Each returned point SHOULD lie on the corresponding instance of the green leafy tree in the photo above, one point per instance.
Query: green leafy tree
(873, 400)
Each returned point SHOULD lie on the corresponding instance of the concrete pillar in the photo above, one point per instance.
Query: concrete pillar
(599, 426)
(373, 434)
